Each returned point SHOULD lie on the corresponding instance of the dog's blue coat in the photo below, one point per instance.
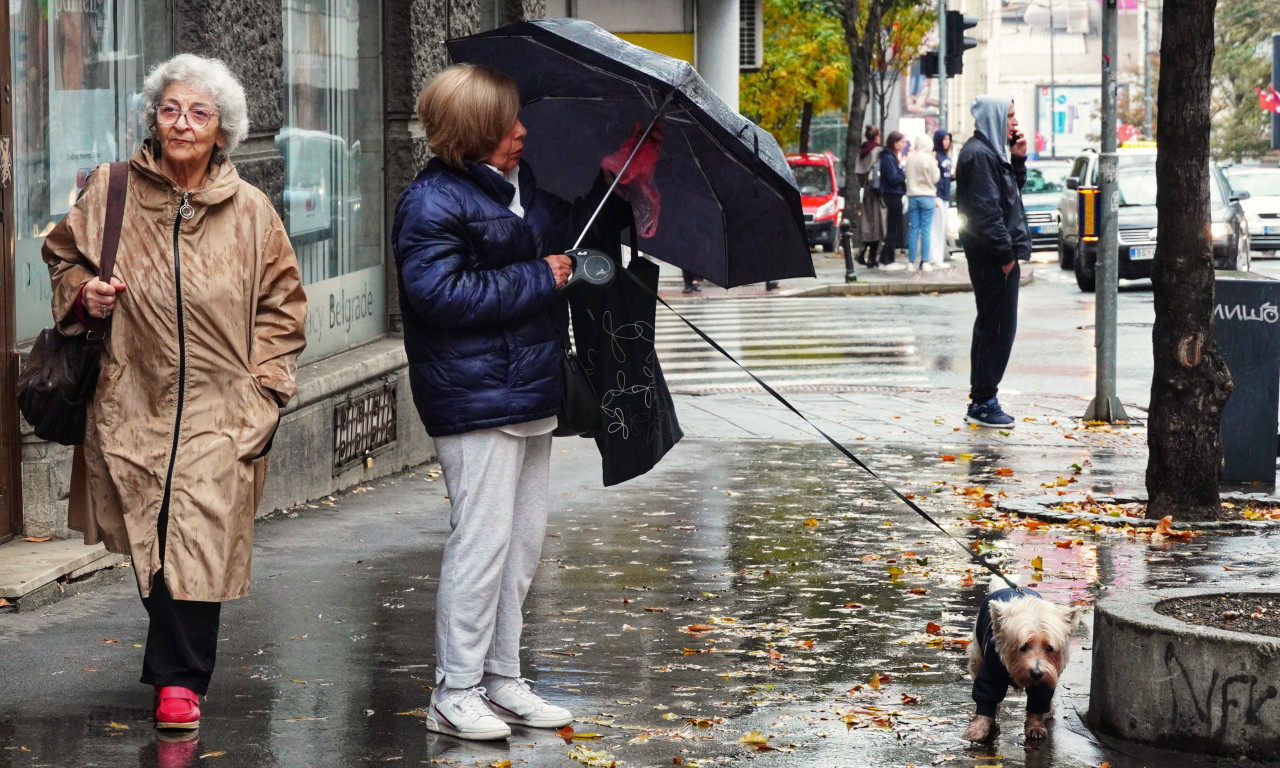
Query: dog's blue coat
(992, 680)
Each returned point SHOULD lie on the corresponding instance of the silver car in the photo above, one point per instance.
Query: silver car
(1262, 205)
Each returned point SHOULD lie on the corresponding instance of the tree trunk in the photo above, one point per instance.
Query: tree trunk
(806, 120)
(852, 192)
(861, 51)
(1190, 383)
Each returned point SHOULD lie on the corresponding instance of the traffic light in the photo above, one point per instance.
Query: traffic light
(929, 64)
(957, 41)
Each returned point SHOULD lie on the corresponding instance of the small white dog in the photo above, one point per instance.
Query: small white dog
(1019, 641)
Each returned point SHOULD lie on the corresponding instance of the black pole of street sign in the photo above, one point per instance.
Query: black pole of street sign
(942, 64)
(1106, 405)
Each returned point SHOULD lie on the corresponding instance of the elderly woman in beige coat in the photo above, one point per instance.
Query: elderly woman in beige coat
(204, 321)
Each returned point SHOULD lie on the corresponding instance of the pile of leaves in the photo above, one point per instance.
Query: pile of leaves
(1251, 510)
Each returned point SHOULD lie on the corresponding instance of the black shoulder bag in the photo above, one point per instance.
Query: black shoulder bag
(61, 374)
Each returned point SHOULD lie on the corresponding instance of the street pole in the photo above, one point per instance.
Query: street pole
(942, 64)
(1275, 83)
(1053, 87)
(1106, 406)
(1146, 71)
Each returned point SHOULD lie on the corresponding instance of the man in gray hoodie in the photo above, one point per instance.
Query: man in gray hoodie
(989, 175)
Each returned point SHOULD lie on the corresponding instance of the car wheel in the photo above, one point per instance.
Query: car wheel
(1065, 257)
(830, 245)
(1086, 272)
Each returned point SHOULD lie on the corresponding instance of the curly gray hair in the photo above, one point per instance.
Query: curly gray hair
(210, 76)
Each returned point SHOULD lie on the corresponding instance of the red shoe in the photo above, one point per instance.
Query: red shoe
(179, 708)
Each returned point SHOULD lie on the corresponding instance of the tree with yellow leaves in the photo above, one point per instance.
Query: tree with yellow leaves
(805, 70)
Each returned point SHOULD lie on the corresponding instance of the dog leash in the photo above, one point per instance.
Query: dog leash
(977, 558)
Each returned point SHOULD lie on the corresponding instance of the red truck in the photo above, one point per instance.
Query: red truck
(819, 195)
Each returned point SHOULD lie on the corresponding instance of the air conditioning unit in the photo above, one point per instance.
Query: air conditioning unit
(750, 35)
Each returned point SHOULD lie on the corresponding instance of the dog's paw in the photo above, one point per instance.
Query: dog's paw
(979, 728)
(1035, 728)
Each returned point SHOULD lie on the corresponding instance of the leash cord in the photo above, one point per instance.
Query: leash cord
(982, 561)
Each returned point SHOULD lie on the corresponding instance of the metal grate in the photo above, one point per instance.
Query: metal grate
(364, 424)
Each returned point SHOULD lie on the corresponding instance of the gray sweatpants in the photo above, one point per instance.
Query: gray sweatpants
(498, 487)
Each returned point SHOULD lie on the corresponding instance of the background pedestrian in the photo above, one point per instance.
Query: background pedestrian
(201, 355)
(942, 203)
(990, 172)
(893, 186)
(872, 208)
(922, 191)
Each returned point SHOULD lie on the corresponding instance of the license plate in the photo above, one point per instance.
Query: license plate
(1037, 230)
(1142, 253)
(1271, 230)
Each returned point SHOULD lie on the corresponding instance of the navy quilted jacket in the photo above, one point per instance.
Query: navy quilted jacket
(479, 305)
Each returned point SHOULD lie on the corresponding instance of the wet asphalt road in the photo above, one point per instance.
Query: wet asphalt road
(787, 555)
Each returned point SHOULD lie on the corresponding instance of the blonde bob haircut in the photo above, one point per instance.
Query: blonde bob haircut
(466, 110)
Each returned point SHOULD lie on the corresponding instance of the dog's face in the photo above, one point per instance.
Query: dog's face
(1032, 637)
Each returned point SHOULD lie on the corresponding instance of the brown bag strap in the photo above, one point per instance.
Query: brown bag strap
(117, 186)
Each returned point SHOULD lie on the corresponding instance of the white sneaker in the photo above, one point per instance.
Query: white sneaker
(465, 715)
(516, 703)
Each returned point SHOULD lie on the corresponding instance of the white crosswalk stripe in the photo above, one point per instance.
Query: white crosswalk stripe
(793, 344)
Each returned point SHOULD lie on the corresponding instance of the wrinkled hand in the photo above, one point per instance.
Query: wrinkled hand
(99, 298)
(561, 268)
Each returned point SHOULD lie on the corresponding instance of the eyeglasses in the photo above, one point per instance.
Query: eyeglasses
(197, 117)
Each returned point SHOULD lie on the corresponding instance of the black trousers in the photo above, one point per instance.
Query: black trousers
(182, 638)
(895, 228)
(994, 327)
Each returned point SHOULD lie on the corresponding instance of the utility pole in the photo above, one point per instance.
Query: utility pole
(942, 64)
(1146, 71)
(1106, 406)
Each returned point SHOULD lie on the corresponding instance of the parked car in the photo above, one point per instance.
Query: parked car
(1046, 181)
(1137, 218)
(1262, 205)
(819, 196)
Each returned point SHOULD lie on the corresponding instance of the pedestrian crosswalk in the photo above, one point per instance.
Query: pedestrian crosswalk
(793, 344)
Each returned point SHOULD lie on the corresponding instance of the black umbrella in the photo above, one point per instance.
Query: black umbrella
(730, 210)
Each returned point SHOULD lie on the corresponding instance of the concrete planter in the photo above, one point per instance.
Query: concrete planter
(1160, 680)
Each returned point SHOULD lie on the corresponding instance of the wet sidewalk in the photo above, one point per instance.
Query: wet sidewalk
(756, 597)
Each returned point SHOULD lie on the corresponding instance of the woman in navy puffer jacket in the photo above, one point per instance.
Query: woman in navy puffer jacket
(479, 252)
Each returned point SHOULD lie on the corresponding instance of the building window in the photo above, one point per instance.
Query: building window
(77, 71)
(332, 146)
(750, 35)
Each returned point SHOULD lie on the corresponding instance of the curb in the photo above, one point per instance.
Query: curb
(1038, 508)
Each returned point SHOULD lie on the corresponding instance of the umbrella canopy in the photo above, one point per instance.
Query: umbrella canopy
(729, 207)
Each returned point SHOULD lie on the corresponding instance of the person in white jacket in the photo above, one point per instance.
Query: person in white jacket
(922, 187)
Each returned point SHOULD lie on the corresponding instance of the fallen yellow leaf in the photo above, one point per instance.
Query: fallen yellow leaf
(753, 737)
(219, 753)
(118, 726)
(811, 522)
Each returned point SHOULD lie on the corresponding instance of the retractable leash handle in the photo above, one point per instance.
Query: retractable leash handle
(591, 267)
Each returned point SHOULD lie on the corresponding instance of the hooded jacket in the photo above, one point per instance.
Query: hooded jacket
(481, 312)
(922, 173)
(988, 190)
(201, 353)
(944, 164)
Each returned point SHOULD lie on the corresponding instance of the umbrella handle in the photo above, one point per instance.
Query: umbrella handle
(643, 137)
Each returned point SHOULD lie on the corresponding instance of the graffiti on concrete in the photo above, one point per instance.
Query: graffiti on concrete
(1213, 706)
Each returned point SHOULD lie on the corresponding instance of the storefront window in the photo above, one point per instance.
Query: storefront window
(77, 70)
(332, 146)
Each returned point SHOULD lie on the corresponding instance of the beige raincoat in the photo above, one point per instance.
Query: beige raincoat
(201, 352)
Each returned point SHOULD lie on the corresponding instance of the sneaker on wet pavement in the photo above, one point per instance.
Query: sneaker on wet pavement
(989, 414)
(465, 715)
(516, 703)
